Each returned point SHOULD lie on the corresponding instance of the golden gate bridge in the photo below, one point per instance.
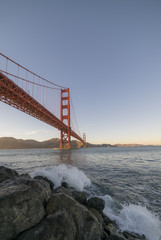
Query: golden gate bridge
(40, 98)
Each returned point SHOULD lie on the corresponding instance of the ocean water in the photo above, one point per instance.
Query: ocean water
(128, 179)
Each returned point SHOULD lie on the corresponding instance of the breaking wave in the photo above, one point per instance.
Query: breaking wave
(57, 174)
(133, 218)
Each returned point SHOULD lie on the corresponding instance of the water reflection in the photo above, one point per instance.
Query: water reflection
(65, 157)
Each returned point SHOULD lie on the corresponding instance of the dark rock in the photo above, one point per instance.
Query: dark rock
(81, 197)
(111, 229)
(65, 185)
(105, 236)
(107, 230)
(133, 236)
(45, 179)
(6, 173)
(116, 237)
(55, 227)
(97, 214)
(25, 175)
(106, 219)
(86, 225)
(63, 190)
(96, 203)
(21, 205)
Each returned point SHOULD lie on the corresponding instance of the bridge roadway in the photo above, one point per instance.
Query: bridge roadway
(13, 95)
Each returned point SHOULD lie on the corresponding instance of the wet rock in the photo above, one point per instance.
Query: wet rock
(63, 190)
(86, 224)
(81, 197)
(96, 203)
(133, 236)
(113, 232)
(45, 179)
(97, 215)
(107, 230)
(22, 203)
(65, 185)
(105, 236)
(116, 237)
(106, 219)
(55, 227)
(24, 175)
(6, 173)
(29, 211)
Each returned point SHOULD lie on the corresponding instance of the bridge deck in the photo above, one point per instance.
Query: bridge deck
(16, 97)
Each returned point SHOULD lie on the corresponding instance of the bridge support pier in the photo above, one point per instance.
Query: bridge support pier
(65, 137)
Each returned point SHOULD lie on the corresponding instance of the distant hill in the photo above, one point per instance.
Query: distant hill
(13, 143)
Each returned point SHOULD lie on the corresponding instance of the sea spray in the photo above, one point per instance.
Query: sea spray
(133, 218)
(57, 174)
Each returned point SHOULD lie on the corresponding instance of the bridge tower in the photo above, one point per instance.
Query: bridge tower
(65, 138)
(84, 139)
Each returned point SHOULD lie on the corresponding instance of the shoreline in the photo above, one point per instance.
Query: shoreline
(31, 208)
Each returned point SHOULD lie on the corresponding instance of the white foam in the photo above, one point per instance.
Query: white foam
(57, 174)
(134, 218)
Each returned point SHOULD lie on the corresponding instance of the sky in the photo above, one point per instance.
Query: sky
(108, 52)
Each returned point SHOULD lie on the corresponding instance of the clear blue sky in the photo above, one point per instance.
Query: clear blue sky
(108, 52)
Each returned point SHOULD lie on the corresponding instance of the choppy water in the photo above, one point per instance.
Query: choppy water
(129, 179)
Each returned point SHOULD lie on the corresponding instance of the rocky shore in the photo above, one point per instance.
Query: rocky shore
(32, 209)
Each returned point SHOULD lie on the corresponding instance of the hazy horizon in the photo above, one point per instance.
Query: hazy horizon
(125, 143)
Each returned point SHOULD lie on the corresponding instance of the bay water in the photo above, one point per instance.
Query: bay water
(128, 179)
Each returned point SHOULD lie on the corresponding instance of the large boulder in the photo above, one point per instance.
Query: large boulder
(57, 226)
(79, 196)
(6, 173)
(114, 233)
(45, 179)
(22, 203)
(86, 224)
(96, 203)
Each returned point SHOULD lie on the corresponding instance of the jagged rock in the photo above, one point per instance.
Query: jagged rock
(55, 227)
(81, 197)
(116, 237)
(97, 215)
(21, 205)
(86, 224)
(112, 231)
(6, 173)
(106, 219)
(105, 236)
(29, 211)
(65, 185)
(63, 190)
(114, 234)
(24, 175)
(107, 230)
(96, 203)
(133, 236)
(45, 179)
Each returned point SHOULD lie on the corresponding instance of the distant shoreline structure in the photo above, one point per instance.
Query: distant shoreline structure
(54, 143)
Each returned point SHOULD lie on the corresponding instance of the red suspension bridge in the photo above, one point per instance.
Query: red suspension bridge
(40, 98)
